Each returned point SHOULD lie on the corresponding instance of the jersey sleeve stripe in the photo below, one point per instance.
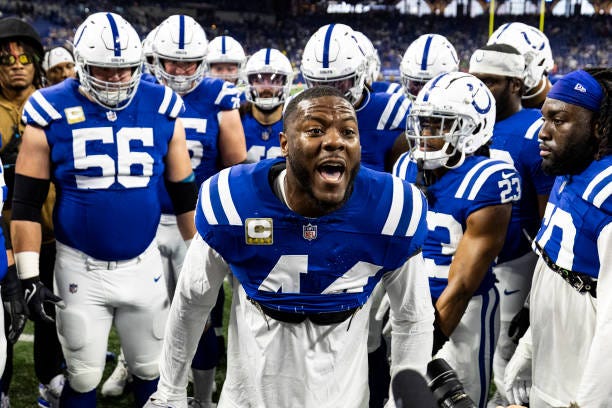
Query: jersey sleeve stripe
(166, 101)
(534, 129)
(595, 183)
(33, 113)
(417, 211)
(206, 204)
(401, 113)
(468, 179)
(397, 205)
(400, 167)
(603, 195)
(226, 198)
(386, 114)
(482, 178)
(393, 88)
(46, 106)
(178, 106)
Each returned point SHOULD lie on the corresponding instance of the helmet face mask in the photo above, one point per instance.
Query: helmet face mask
(108, 46)
(371, 55)
(426, 57)
(225, 51)
(268, 75)
(179, 43)
(452, 116)
(332, 57)
(532, 44)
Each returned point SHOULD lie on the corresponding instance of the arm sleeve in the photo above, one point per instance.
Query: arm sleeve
(412, 317)
(595, 384)
(196, 294)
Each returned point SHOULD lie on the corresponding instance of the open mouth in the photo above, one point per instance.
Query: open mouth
(331, 172)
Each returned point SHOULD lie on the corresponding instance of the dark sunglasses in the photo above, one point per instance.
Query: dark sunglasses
(9, 59)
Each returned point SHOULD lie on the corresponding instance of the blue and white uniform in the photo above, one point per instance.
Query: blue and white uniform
(203, 106)
(299, 265)
(386, 87)
(381, 118)
(106, 166)
(479, 182)
(262, 141)
(515, 140)
(571, 331)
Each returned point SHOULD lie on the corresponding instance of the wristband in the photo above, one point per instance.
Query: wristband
(27, 264)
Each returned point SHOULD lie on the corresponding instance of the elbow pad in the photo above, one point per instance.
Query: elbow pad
(183, 194)
(29, 195)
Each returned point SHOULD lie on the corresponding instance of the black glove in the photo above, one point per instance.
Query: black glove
(36, 294)
(519, 325)
(439, 338)
(14, 304)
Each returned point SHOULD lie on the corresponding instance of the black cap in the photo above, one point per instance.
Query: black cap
(12, 28)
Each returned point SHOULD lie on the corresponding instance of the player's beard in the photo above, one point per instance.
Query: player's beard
(304, 177)
(576, 157)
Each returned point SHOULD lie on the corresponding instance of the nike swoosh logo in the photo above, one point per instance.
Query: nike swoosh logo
(507, 175)
(510, 292)
(156, 279)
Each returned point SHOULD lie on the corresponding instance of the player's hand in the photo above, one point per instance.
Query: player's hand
(36, 295)
(519, 325)
(14, 304)
(517, 377)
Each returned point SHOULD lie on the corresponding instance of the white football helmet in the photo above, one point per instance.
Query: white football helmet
(332, 57)
(180, 39)
(225, 49)
(455, 107)
(426, 57)
(268, 75)
(107, 40)
(367, 47)
(147, 49)
(532, 44)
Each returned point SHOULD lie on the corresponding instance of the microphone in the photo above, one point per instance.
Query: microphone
(410, 390)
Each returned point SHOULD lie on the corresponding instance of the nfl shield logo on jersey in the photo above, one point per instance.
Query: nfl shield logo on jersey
(309, 232)
(73, 287)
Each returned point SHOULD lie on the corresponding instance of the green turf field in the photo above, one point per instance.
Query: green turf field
(24, 386)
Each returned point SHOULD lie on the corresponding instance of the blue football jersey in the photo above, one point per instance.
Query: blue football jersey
(381, 118)
(386, 87)
(297, 264)
(515, 140)
(201, 121)
(578, 208)
(262, 141)
(479, 182)
(106, 165)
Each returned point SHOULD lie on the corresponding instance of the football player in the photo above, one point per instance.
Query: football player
(566, 351)
(332, 57)
(306, 238)
(58, 64)
(106, 139)
(225, 59)
(470, 200)
(215, 140)
(501, 67)
(426, 57)
(268, 75)
(535, 48)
